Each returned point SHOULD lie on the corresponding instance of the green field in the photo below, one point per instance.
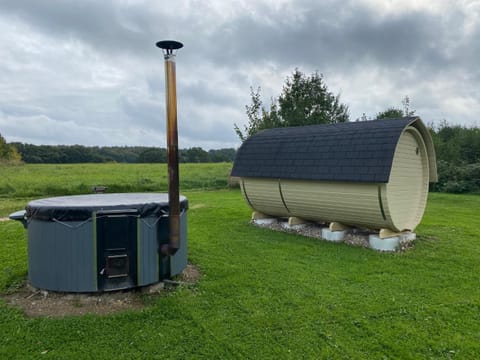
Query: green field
(264, 294)
(24, 182)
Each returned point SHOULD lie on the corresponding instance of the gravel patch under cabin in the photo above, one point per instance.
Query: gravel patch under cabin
(354, 236)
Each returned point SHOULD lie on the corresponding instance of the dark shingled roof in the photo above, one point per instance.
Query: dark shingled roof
(353, 151)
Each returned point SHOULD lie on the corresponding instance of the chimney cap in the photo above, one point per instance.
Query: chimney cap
(169, 45)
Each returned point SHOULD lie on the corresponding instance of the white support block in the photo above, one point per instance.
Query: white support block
(385, 244)
(336, 236)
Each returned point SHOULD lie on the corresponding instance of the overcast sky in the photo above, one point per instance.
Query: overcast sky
(88, 72)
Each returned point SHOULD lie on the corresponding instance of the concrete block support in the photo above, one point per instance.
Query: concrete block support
(385, 244)
(335, 236)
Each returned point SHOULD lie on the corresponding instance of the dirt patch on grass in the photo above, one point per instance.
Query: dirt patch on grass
(4, 219)
(40, 303)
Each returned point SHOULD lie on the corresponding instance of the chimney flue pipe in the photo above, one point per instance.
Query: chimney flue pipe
(169, 48)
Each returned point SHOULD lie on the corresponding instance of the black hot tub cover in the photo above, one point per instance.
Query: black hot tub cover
(81, 207)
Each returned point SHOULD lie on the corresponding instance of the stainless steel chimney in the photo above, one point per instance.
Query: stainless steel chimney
(169, 48)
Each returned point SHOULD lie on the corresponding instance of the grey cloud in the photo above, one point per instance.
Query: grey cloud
(95, 22)
(343, 42)
(142, 110)
(316, 33)
(113, 77)
(202, 93)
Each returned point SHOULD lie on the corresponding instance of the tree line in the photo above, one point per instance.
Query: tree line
(458, 158)
(74, 154)
(457, 148)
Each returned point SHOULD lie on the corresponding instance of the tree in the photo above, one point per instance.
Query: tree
(406, 107)
(458, 158)
(390, 113)
(305, 100)
(8, 153)
(393, 112)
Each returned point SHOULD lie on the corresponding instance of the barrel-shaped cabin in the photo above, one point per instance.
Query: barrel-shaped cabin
(369, 174)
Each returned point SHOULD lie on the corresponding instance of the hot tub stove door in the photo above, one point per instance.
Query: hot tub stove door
(117, 237)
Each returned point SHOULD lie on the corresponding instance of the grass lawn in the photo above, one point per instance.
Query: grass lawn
(269, 295)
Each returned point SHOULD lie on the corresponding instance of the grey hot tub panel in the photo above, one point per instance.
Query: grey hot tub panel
(60, 257)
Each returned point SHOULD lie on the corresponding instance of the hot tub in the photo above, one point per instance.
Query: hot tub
(100, 242)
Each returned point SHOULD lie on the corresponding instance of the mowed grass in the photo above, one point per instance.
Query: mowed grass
(271, 295)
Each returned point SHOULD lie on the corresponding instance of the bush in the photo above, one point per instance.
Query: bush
(457, 178)
(457, 187)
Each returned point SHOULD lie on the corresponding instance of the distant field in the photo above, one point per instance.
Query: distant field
(269, 295)
(34, 180)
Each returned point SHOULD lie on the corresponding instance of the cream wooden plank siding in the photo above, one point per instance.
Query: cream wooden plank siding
(348, 203)
(264, 196)
(407, 188)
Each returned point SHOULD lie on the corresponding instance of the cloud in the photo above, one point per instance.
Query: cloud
(91, 69)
